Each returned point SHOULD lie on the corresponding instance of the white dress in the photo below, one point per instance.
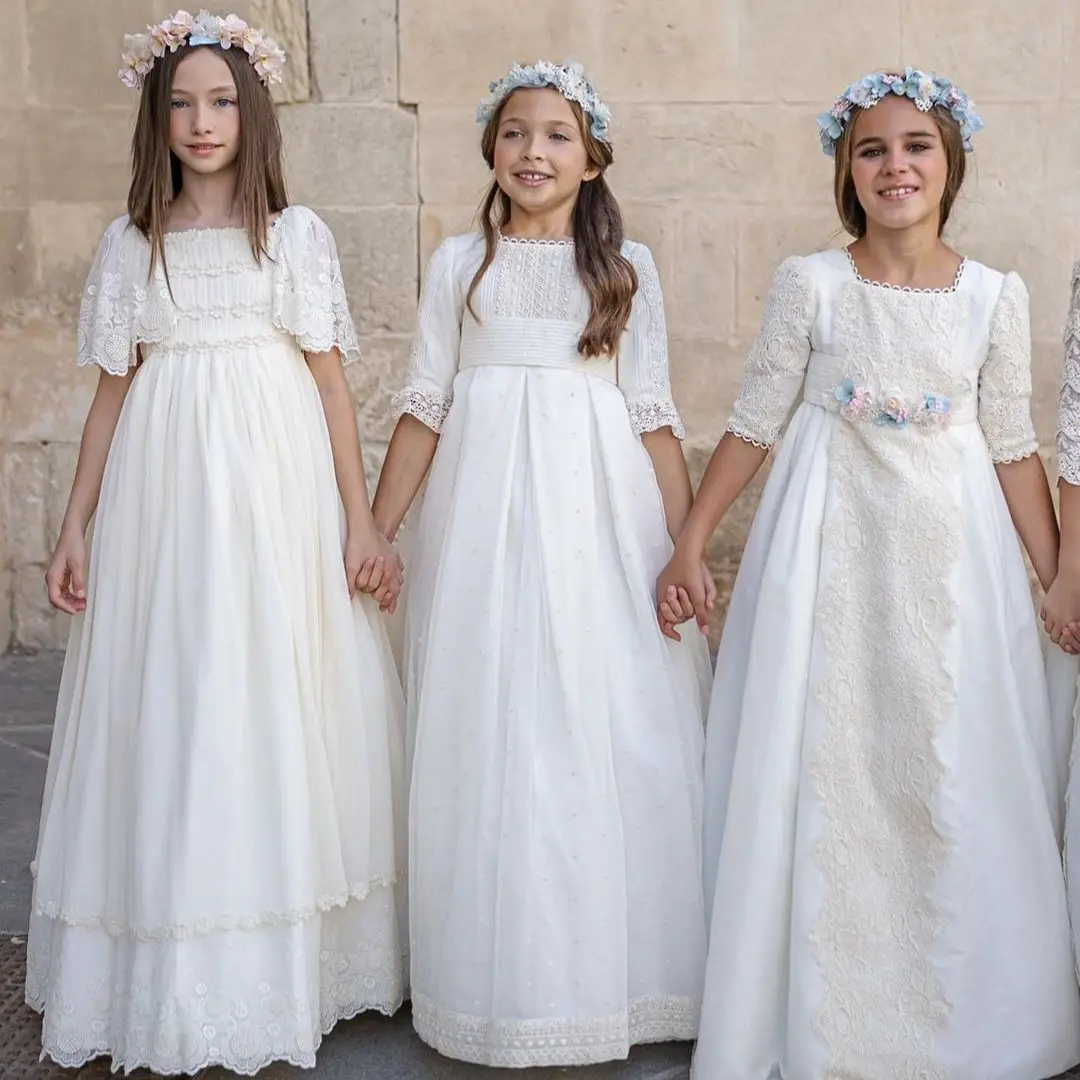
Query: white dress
(885, 766)
(557, 914)
(217, 855)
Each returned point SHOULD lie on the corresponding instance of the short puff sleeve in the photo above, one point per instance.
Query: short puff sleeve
(310, 302)
(1005, 377)
(643, 354)
(1068, 426)
(776, 366)
(122, 306)
(429, 390)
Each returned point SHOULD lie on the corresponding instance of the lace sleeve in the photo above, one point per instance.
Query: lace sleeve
(643, 356)
(1068, 429)
(777, 362)
(1005, 378)
(309, 290)
(434, 359)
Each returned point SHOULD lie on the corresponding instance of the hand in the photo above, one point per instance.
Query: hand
(1060, 612)
(66, 576)
(373, 566)
(684, 589)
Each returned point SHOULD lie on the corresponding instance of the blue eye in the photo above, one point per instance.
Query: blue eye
(560, 135)
(177, 104)
(224, 101)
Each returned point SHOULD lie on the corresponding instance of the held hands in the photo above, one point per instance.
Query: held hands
(373, 566)
(684, 590)
(66, 576)
(1061, 612)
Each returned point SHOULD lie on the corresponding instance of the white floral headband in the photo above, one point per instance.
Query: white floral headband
(568, 78)
(923, 89)
(141, 50)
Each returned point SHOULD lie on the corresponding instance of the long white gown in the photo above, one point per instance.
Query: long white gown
(885, 768)
(557, 914)
(216, 865)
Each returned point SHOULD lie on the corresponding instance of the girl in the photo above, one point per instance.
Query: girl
(217, 852)
(556, 908)
(883, 822)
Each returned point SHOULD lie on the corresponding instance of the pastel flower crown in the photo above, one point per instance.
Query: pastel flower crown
(925, 90)
(141, 50)
(568, 78)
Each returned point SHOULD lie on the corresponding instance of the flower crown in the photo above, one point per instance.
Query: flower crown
(568, 78)
(141, 50)
(926, 91)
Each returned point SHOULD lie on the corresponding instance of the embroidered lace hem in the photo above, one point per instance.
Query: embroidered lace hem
(1009, 456)
(749, 437)
(654, 414)
(182, 931)
(428, 407)
(555, 1041)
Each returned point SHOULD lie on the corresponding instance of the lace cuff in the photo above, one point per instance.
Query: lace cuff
(1068, 427)
(651, 414)
(428, 407)
(309, 291)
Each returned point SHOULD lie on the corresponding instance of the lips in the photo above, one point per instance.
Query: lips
(899, 191)
(203, 148)
(531, 178)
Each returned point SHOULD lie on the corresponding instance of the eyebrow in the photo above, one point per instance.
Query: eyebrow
(550, 123)
(216, 90)
(907, 135)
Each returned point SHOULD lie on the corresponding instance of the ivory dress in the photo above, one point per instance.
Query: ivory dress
(885, 762)
(217, 855)
(556, 909)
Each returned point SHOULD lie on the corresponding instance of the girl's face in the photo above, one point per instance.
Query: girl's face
(204, 120)
(898, 164)
(540, 155)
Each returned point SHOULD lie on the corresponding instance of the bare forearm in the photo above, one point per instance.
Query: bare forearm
(1031, 507)
(348, 458)
(732, 466)
(1069, 559)
(97, 438)
(408, 458)
(672, 477)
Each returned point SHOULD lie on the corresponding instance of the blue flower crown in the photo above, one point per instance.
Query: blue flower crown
(568, 78)
(926, 91)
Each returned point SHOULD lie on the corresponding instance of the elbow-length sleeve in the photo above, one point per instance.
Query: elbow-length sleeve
(433, 363)
(777, 362)
(1005, 377)
(1068, 425)
(643, 356)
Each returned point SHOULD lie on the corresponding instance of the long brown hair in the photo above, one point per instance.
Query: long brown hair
(607, 275)
(853, 216)
(156, 177)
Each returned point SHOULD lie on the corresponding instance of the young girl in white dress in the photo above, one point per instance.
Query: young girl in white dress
(556, 912)
(883, 779)
(216, 862)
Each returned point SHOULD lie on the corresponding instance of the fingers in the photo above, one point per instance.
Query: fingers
(55, 581)
(362, 581)
(66, 585)
(668, 630)
(710, 590)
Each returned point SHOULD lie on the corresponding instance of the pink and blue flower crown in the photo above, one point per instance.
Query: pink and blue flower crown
(568, 78)
(226, 31)
(925, 90)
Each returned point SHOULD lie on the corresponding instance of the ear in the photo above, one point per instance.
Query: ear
(591, 173)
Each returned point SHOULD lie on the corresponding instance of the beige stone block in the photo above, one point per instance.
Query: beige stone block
(678, 52)
(435, 39)
(767, 236)
(1058, 128)
(14, 76)
(35, 624)
(82, 155)
(997, 50)
(63, 457)
(374, 381)
(351, 155)
(452, 169)
(286, 21)
(7, 626)
(438, 222)
(1013, 158)
(704, 380)
(700, 293)
(65, 237)
(15, 254)
(1046, 361)
(378, 256)
(49, 396)
(354, 49)
(27, 468)
(656, 225)
(810, 52)
(15, 137)
(374, 456)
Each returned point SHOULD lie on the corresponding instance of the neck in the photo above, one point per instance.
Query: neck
(207, 199)
(902, 253)
(556, 224)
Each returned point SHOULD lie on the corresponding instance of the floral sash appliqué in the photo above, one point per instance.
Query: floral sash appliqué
(859, 405)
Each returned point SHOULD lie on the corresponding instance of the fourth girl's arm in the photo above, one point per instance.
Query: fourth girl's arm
(408, 458)
(1031, 507)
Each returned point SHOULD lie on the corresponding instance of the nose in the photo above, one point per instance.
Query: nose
(895, 160)
(534, 147)
(202, 119)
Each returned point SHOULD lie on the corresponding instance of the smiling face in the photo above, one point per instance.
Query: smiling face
(204, 113)
(540, 156)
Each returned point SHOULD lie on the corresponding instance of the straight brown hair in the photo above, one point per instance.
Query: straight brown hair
(156, 177)
(607, 275)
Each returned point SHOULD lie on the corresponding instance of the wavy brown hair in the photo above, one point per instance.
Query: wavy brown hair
(607, 275)
(156, 177)
(852, 214)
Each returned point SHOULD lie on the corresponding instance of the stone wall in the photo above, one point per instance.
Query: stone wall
(718, 168)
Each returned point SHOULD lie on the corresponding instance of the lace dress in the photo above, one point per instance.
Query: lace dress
(883, 822)
(217, 855)
(557, 915)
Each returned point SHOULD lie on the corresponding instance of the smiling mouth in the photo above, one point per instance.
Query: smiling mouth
(900, 192)
(203, 148)
(533, 179)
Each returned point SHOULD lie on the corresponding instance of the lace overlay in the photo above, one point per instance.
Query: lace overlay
(534, 280)
(1068, 429)
(776, 365)
(427, 406)
(555, 1041)
(892, 538)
